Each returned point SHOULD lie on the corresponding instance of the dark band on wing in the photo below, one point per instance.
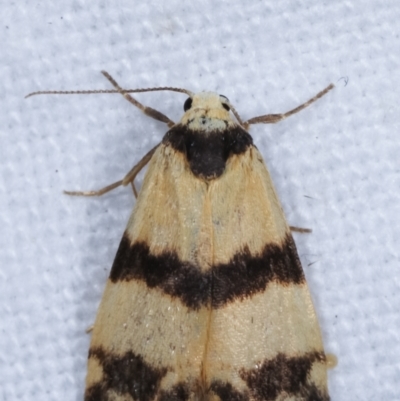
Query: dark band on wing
(226, 392)
(278, 378)
(285, 374)
(179, 392)
(129, 375)
(243, 276)
(184, 392)
(124, 375)
(207, 152)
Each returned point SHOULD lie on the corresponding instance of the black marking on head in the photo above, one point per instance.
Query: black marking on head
(225, 104)
(243, 276)
(207, 152)
(226, 392)
(124, 375)
(285, 374)
(188, 104)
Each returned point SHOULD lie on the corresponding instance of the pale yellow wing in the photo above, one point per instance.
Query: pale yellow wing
(206, 299)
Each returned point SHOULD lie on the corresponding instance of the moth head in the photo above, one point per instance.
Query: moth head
(207, 111)
(206, 101)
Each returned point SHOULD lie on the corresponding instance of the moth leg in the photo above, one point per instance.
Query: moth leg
(146, 110)
(300, 230)
(128, 179)
(100, 192)
(274, 118)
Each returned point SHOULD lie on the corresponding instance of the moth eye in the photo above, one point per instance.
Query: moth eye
(188, 104)
(225, 105)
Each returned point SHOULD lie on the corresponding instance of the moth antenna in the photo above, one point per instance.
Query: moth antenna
(236, 114)
(102, 91)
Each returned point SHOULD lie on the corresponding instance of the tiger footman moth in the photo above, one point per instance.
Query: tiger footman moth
(206, 299)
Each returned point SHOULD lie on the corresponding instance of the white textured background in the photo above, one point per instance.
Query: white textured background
(335, 165)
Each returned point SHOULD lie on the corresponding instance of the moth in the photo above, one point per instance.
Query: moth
(206, 299)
